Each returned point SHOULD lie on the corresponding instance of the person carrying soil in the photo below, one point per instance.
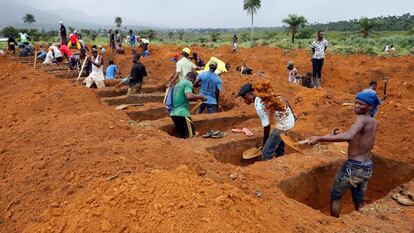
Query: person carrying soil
(355, 173)
(273, 144)
(181, 97)
(183, 67)
(97, 75)
(210, 86)
(138, 72)
(319, 47)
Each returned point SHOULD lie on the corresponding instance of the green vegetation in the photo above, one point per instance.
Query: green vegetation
(294, 24)
(29, 19)
(251, 7)
(362, 39)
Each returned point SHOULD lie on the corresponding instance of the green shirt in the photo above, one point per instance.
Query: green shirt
(180, 101)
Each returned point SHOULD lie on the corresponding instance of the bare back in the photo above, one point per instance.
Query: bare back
(362, 143)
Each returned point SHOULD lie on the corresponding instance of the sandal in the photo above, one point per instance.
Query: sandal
(210, 133)
(247, 132)
(402, 200)
(219, 135)
(237, 130)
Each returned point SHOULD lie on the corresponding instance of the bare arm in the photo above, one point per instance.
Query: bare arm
(174, 78)
(193, 97)
(97, 64)
(342, 137)
(197, 83)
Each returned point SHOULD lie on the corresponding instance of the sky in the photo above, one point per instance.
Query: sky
(226, 13)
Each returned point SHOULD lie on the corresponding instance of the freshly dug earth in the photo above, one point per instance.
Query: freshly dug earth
(70, 164)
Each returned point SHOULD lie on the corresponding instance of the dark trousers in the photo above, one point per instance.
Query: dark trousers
(184, 126)
(211, 108)
(317, 65)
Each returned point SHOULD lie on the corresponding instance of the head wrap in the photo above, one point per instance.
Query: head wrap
(370, 98)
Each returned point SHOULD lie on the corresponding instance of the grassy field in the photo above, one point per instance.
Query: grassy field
(340, 42)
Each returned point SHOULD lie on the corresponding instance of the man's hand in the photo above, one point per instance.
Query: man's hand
(203, 98)
(313, 140)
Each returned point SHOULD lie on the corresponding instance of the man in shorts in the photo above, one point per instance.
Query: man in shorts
(355, 173)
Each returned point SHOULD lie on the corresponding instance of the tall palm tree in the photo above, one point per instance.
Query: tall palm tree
(118, 22)
(251, 7)
(294, 23)
(29, 19)
(366, 26)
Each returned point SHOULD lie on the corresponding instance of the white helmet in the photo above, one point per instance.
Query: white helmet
(60, 22)
(75, 32)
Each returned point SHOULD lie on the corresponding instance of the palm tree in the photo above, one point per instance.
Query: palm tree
(29, 19)
(251, 7)
(366, 25)
(118, 22)
(294, 23)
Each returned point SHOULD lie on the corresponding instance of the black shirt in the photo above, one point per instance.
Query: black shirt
(138, 73)
(111, 37)
(63, 31)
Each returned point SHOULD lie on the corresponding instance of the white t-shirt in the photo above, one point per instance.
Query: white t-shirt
(56, 51)
(284, 120)
(49, 58)
(184, 66)
(319, 47)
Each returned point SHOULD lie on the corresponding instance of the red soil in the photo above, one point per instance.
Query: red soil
(59, 145)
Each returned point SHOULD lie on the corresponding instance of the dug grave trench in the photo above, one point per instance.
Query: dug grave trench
(313, 187)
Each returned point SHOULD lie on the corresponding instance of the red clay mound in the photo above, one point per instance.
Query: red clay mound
(159, 201)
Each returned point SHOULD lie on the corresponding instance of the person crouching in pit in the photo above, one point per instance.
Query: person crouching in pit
(138, 72)
(355, 173)
(182, 95)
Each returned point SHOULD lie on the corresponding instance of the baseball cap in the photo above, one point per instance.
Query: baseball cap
(187, 51)
(213, 64)
(246, 88)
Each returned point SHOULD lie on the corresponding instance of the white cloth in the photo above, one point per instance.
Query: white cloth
(284, 120)
(319, 47)
(292, 75)
(97, 72)
(184, 66)
(49, 58)
(56, 50)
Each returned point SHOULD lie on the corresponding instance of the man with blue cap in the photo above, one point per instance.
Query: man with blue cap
(356, 171)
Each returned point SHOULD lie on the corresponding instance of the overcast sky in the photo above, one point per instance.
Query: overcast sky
(227, 13)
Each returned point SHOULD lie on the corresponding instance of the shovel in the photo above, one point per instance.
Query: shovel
(252, 153)
(292, 144)
(124, 106)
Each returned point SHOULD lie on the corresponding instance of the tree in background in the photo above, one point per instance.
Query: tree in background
(151, 34)
(71, 29)
(181, 35)
(118, 22)
(251, 7)
(366, 26)
(10, 30)
(214, 36)
(270, 35)
(294, 24)
(170, 34)
(244, 36)
(29, 19)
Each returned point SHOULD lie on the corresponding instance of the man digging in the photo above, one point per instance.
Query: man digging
(273, 144)
(356, 171)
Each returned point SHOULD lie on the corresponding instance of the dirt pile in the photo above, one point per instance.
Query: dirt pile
(168, 201)
(263, 90)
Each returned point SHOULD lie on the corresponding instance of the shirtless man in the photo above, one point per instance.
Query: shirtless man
(356, 171)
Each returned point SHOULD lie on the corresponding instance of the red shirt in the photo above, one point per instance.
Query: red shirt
(74, 38)
(65, 50)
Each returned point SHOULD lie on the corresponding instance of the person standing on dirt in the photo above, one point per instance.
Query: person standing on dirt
(273, 144)
(319, 47)
(11, 43)
(235, 40)
(63, 34)
(118, 38)
(97, 75)
(132, 40)
(138, 72)
(181, 97)
(183, 67)
(210, 87)
(355, 173)
(112, 40)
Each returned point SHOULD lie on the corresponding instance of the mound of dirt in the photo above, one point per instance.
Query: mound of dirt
(165, 201)
(263, 89)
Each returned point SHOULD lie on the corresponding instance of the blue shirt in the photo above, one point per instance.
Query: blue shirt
(132, 38)
(110, 72)
(209, 84)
